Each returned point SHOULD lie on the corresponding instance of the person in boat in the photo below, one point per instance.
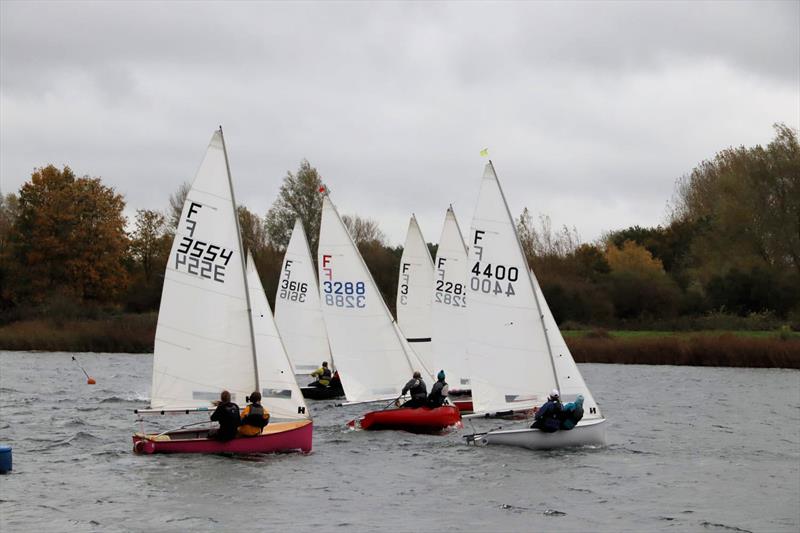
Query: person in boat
(227, 414)
(323, 376)
(418, 390)
(572, 413)
(255, 417)
(548, 416)
(439, 392)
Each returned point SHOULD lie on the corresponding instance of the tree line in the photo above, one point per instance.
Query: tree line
(731, 248)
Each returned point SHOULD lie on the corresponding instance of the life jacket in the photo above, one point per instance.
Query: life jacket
(418, 390)
(255, 417)
(323, 375)
(438, 394)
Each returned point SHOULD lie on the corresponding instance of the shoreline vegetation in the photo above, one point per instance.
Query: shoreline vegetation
(135, 333)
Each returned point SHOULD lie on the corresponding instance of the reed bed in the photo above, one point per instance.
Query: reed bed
(130, 333)
(725, 349)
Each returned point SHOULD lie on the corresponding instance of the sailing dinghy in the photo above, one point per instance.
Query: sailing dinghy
(206, 340)
(370, 351)
(299, 317)
(516, 352)
(449, 311)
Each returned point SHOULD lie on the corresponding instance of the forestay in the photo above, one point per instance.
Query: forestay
(203, 338)
(297, 307)
(414, 286)
(370, 351)
(279, 391)
(449, 307)
(508, 352)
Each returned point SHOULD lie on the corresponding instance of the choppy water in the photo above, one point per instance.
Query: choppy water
(690, 449)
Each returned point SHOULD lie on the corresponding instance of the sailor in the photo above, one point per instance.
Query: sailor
(227, 414)
(572, 413)
(439, 392)
(254, 417)
(548, 416)
(418, 390)
(322, 375)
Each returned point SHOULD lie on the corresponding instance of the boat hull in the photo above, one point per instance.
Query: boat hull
(590, 433)
(277, 437)
(420, 420)
(320, 393)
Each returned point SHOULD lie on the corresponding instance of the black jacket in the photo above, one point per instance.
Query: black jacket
(227, 414)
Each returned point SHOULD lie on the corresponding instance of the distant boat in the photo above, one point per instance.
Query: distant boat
(516, 352)
(206, 340)
(449, 311)
(299, 317)
(370, 351)
(414, 287)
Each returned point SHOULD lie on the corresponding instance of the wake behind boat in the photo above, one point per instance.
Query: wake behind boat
(215, 330)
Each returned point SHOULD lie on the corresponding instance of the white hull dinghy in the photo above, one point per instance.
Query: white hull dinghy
(586, 433)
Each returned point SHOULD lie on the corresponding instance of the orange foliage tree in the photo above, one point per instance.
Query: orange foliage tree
(69, 238)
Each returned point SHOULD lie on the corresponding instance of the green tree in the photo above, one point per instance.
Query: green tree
(363, 230)
(299, 196)
(149, 242)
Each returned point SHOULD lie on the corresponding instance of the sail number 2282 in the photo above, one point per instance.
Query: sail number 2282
(345, 294)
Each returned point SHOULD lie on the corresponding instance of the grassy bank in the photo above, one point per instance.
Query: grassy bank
(129, 333)
(134, 333)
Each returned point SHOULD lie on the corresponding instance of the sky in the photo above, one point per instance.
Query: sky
(590, 110)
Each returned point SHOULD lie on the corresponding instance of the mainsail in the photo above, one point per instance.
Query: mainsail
(449, 308)
(371, 354)
(508, 351)
(279, 390)
(204, 341)
(414, 287)
(297, 307)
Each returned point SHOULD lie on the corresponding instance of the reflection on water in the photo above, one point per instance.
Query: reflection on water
(689, 449)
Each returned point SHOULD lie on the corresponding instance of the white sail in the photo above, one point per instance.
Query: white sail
(370, 352)
(204, 341)
(298, 314)
(414, 286)
(449, 308)
(570, 380)
(511, 366)
(279, 391)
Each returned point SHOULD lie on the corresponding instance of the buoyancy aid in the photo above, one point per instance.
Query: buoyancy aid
(255, 416)
(323, 375)
(418, 390)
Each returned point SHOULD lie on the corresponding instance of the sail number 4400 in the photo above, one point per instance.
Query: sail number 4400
(493, 279)
(345, 294)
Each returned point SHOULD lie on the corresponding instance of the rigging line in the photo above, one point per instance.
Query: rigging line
(197, 286)
(195, 336)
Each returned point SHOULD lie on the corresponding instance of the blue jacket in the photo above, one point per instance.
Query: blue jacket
(572, 413)
(548, 417)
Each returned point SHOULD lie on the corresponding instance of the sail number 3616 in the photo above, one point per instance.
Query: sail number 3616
(493, 279)
(345, 294)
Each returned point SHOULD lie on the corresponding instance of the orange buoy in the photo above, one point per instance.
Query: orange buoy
(91, 381)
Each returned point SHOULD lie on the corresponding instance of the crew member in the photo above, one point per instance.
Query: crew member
(439, 392)
(418, 390)
(254, 417)
(572, 413)
(227, 414)
(322, 375)
(548, 417)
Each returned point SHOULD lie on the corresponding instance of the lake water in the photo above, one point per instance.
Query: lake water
(690, 449)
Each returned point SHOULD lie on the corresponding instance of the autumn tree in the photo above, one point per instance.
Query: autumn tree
(149, 243)
(69, 237)
(9, 211)
(176, 201)
(299, 196)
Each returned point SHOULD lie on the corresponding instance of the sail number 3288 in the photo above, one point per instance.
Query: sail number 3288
(345, 294)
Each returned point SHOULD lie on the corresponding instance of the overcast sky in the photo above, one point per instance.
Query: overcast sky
(590, 111)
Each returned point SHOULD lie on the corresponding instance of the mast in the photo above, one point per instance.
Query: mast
(242, 260)
(533, 288)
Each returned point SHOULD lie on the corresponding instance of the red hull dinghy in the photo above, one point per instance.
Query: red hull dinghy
(419, 420)
(276, 438)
